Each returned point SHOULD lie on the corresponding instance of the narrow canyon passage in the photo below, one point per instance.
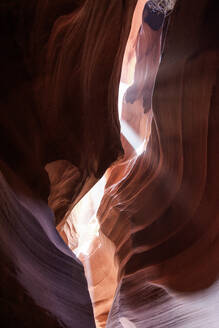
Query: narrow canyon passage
(109, 164)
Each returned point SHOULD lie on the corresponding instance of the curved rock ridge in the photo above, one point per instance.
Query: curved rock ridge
(154, 262)
(34, 254)
(100, 267)
(152, 167)
(160, 209)
(59, 129)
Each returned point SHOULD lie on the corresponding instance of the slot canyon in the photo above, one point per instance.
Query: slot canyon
(109, 164)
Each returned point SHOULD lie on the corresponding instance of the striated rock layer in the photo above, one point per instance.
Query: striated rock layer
(161, 208)
(60, 69)
(155, 262)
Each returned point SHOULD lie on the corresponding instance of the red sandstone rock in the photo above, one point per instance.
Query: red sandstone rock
(60, 72)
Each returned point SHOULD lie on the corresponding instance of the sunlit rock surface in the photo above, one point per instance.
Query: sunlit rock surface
(154, 261)
(166, 199)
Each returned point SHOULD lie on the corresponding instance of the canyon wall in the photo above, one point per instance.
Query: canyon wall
(155, 263)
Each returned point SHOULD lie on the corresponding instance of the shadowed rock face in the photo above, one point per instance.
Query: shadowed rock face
(60, 71)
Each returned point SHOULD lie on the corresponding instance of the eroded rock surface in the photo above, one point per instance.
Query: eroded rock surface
(61, 64)
(60, 71)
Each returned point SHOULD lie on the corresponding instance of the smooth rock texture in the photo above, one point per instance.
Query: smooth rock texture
(59, 132)
(34, 254)
(162, 211)
(155, 261)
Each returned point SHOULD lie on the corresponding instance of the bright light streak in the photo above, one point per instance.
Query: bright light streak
(86, 234)
(84, 217)
(130, 135)
(140, 149)
(122, 90)
(135, 141)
